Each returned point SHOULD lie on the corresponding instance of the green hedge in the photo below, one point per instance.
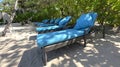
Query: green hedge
(108, 10)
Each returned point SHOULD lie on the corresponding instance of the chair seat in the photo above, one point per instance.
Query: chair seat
(40, 29)
(58, 36)
(44, 25)
(37, 23)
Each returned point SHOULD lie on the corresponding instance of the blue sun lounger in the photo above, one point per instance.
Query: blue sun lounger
(42, 22)
(52, 22)
(60, 25)
(81, 29)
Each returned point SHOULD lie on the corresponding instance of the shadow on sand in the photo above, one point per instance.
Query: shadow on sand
(98, 53)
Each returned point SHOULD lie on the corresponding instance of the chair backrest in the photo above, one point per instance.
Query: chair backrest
(57, 20)
(63, 22)
(85, 20)
(45, 21)
(94, 17)
(52, 21)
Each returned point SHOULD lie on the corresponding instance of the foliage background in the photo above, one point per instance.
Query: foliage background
(108, 10)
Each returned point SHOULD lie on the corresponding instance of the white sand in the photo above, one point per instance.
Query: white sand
(20, 44)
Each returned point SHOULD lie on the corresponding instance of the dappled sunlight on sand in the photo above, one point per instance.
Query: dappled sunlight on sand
(12, 47)
(99, 52)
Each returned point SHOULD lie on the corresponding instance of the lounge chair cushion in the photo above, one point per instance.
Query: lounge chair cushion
(84, 21)
(46, 25)
(38, 23)
(58, 36)
(64, 21)
(57, 20)
(41, 23)
(40, 29)
(94, 16)
(52, 21)
(45, 21)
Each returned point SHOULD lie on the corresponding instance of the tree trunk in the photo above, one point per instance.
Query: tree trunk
(7, 27)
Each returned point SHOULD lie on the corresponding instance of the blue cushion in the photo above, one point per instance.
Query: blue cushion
(39, 24)
(64, 21)
(85, 20)
(94, 16)
(36, 23)
(42, 22)
(61, 22)
(57, 20)
(45, 21)
(40, 29)
(58, 36)
(46, 25)
(52, 21)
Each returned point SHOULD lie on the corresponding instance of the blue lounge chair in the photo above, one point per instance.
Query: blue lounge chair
(60, 24)
(42, 22)
(51, 23)
(81, 29)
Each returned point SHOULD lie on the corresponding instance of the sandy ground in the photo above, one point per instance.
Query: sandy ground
(20, 49)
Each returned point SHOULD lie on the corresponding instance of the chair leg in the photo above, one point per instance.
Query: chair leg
(44, 56)
(84, 38)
